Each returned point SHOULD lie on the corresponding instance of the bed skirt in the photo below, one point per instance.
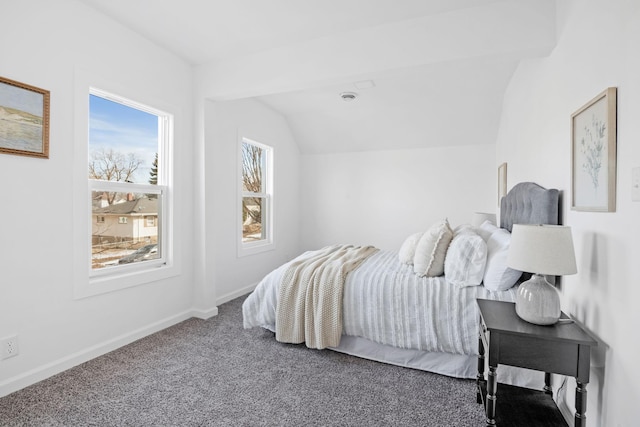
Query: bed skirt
(452, 365)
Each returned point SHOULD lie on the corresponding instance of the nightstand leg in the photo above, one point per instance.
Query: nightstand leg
(491, 396)
(480, 376)
(547, 384)
(581, 404)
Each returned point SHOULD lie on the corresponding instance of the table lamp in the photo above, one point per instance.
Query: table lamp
(541, 250)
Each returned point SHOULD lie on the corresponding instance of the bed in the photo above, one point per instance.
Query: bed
(392, 314)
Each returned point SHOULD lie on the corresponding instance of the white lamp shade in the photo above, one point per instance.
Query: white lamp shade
(480, 217)
(542, 249)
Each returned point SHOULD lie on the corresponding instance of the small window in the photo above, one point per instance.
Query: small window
(256, 217)
(127, 178)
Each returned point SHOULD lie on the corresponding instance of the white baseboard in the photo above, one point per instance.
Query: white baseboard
(205, 314)
(40, 373)
(235, 294)
(45, 371)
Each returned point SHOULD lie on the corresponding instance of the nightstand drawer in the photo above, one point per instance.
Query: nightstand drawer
(539, 354)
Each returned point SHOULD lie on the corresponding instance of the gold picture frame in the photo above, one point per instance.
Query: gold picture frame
(593, 154)
(24, 119)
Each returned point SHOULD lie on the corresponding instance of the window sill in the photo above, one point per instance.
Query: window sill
(119, 280)
(245, 249)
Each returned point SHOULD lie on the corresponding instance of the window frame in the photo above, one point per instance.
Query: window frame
(88, 281)
(266, 244)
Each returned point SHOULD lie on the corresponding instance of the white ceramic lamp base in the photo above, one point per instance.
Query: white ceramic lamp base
(538, 301)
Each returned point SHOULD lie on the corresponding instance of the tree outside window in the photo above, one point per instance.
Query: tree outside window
(256, 197)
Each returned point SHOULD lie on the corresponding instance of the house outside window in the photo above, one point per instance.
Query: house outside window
(127, 170)
(256, 217)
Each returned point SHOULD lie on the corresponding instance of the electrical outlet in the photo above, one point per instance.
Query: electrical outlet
(9, 347)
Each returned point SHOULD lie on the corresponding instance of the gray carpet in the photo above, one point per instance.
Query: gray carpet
(215, 373)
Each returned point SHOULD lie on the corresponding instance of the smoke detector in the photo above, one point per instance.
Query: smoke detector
(348, 96)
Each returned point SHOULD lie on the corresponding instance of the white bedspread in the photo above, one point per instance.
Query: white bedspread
(386, 302)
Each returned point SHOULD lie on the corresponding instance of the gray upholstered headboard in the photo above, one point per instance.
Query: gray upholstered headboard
(528, 203)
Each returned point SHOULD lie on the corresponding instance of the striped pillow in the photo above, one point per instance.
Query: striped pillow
(466, 259)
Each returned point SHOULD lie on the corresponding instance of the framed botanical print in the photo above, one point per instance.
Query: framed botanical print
(593, 154)
(24, 119)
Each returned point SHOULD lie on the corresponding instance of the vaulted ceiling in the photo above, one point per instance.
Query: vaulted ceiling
(427, 73)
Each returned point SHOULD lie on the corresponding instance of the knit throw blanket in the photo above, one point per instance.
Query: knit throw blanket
(309, 305)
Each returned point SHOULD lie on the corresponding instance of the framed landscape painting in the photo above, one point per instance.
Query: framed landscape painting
(593, 154)
(24, 119)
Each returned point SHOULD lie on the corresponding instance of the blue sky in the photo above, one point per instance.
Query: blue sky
(125, 129)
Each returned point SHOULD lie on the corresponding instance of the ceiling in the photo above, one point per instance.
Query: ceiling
(437, 69)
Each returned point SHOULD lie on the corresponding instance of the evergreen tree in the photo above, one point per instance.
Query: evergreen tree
(153, 173)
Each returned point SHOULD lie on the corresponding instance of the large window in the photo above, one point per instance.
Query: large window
(128, 183)
(256, 216)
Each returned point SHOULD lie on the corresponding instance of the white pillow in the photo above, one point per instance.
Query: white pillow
(462, 228)
(432, 250)
(466, 259)
(486, 229)
(497, 276)
(408, 248)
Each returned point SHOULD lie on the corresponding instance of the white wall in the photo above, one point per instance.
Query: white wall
(381, 197)
(44, 43)
(597, 48)
(225, 123)
(364, 198)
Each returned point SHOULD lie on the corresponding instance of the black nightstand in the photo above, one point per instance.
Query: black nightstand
(563, 348)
